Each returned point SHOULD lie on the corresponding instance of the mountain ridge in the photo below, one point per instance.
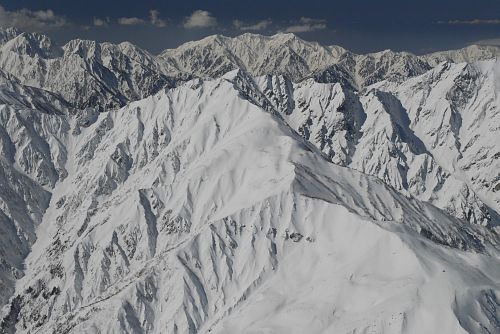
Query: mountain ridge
(237, 185)
(213, 204)
(134, 70)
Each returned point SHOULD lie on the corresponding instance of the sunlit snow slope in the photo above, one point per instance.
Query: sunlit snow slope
(256, 184)
(434, 136)
(200, 210)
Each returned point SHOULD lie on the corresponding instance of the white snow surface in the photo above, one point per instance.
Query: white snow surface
(105, 75)
(259, 200)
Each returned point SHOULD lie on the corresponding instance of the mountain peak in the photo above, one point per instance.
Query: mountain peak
(247, 184)
(32, 44)
(192, 200)
(8, 33)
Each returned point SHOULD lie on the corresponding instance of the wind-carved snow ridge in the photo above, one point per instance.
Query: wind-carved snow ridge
(360, 199)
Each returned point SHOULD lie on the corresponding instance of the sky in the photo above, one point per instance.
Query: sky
(361, 26)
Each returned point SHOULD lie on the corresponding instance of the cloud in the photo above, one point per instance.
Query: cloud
(100, 22)
(130, 21)
(155, 20)
(472, 22)
(261, 25)
(200, 19)
(307, 24)
(31, 20)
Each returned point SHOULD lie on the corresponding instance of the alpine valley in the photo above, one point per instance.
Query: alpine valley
(256, 184)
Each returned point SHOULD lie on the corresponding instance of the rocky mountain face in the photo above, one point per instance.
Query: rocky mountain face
(247, 185)
(424, 137)
(85, 73)
(107, 76)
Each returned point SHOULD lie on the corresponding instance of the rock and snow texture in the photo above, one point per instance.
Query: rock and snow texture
(105, 75)
(87, 73)
(435, 136)
(357, 200)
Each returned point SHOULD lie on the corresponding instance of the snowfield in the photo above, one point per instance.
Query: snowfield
(250, 200)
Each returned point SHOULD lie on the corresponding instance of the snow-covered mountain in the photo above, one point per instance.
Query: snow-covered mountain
(105, 75)
(434, 136)
(85, 73)
(248, 184)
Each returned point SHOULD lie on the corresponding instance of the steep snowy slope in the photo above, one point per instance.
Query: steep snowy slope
(358, 71)
(257, 54)
(288, 55)
(105, 75)
(32, 160)
(434, 136)
(470, 54)
(85, 73)
(8, 34)
(215, 207)
(20, 96)
(454, 110)
(199, 210)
